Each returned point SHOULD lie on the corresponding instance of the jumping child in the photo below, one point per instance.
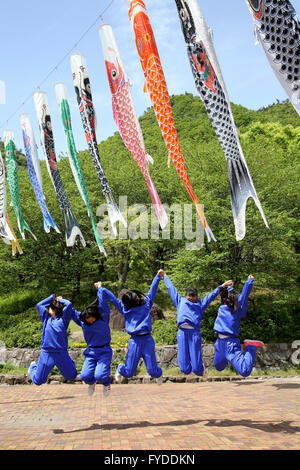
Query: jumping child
(227, 326)
(135, 307)
(189, 315)
(54, 346)
(94, 321)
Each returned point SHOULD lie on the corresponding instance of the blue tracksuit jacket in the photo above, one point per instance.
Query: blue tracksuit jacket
(54, 336)
(189, 312)
(228, 323)
(96, 335)
(137, 319)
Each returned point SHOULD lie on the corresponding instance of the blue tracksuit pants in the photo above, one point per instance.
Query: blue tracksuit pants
(190, 351)
(229, 350)
(47, 360)
(140, 346)
(96, 366)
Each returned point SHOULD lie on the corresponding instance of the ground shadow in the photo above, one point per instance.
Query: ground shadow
(31, 401)
(287, 386)
(139, 424)
(266, 426)
(249, 382)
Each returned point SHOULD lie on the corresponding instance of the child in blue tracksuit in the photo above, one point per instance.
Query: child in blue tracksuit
(189, 315)
(227, 326)
(54, 346)
(94, 321)
(135, 307)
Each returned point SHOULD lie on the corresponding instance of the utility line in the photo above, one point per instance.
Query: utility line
(59, 63)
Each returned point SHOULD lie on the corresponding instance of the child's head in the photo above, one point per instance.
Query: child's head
(55, 308)
(192, 294)
(91, 313)
(230, 297)
(132, 298)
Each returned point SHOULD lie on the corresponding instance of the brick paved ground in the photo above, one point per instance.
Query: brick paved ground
(246, 415)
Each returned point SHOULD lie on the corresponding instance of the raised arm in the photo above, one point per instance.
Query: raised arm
(104, 309)
(172, 291)
(243, 298)
(210, 297)
(67, 310)
(75, 316)
(42, 305)
(153, 289)
(108, 295)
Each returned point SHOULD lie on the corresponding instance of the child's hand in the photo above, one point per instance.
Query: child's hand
(59, 297)
(98, 284)
(161, 272)
(251, 277)
(227, 284)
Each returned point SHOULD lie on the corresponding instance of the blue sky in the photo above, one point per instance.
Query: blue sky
(36, 35)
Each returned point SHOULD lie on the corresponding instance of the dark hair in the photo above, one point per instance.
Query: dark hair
(192, 292)
(91, 310)
(231, 299)
(130, 297)
(56, 305)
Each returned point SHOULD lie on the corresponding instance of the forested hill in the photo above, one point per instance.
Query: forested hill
(270, 139)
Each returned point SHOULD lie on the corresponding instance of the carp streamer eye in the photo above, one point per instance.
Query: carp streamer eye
(183, 14)
(114, 75)
(255, 4)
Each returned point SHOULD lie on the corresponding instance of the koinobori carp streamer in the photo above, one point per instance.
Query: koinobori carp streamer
(212, 90)
(6, 230)
(86, 108)
(125, 115)
(63, 103)
(13, 180)
(277, 27)
(158, 91)
(34, 171)
(72, 229)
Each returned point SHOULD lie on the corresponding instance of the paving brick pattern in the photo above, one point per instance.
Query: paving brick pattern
(245, 415)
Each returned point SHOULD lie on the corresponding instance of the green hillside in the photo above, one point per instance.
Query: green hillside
(270, 138)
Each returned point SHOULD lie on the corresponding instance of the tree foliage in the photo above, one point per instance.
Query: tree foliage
(270, 138)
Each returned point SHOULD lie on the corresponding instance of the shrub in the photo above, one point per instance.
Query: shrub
(27, 334)
(164, 332)
(18, 301)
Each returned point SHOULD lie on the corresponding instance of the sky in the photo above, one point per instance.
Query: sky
(38, 37)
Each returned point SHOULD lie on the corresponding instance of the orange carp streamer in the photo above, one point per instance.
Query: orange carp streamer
(158, 91)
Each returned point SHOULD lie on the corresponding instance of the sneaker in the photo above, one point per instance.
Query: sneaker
(106, 390)
(118, 377)
(91, 389)
(160, 380)
(31, 364)
(253, 342)
(204, 376)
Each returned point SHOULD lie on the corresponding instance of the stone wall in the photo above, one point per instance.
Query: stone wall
(271, 356)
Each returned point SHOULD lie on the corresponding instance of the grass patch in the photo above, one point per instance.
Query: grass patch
(228, 372)
(11, 369)
(119, 339)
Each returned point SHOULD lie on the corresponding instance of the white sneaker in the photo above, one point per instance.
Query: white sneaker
(160, 380)
(106, 390)
(31, 364)
(91, 389)
(118, 377)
